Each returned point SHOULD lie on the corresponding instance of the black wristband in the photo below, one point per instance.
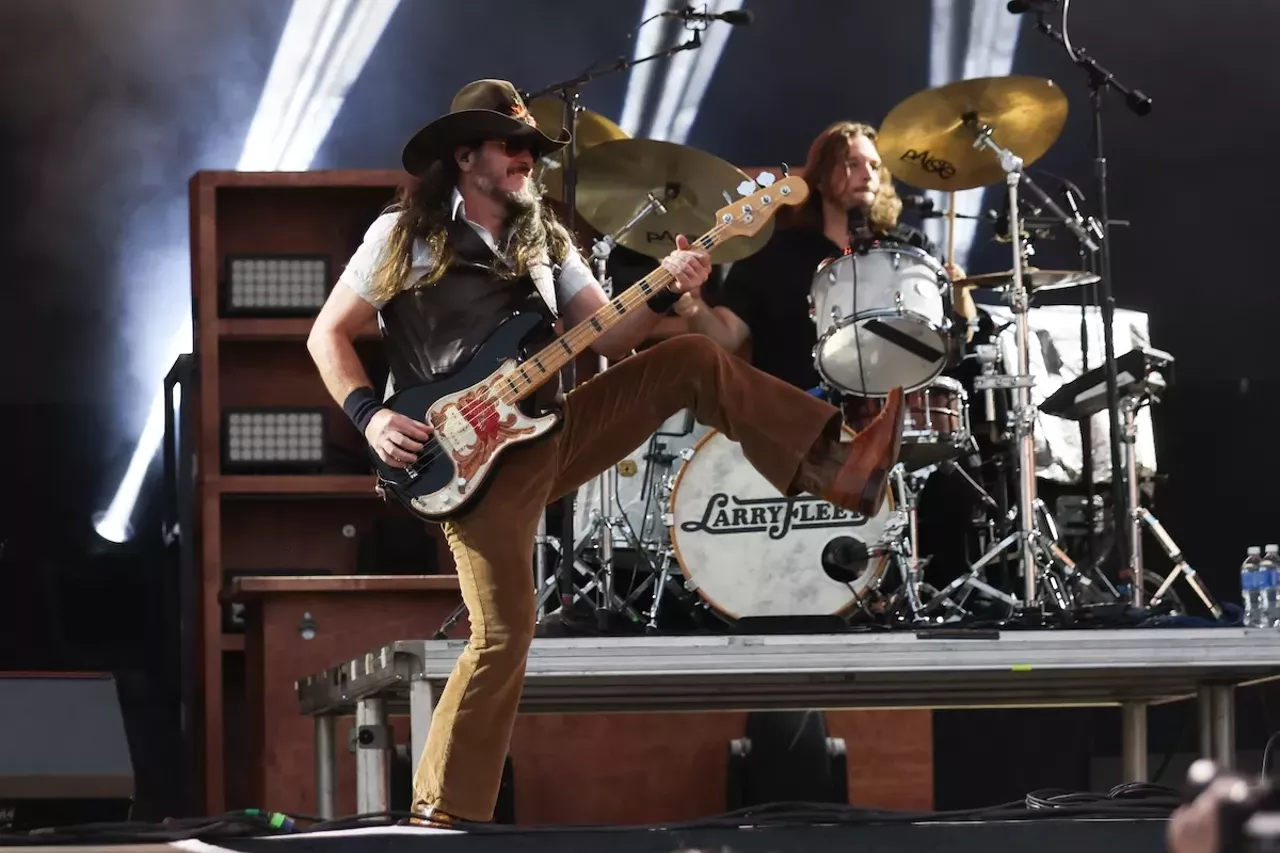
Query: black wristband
(660, 302)
(361, 405)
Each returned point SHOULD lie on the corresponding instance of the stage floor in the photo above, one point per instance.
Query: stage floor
(1058, 835)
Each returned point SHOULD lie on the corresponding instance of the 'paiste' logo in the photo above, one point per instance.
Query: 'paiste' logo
(944, 169)
(775, 516)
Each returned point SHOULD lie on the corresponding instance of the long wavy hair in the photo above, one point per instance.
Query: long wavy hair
(425, 212)
(830, 148)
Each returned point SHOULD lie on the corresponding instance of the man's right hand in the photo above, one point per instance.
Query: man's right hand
(396, 439)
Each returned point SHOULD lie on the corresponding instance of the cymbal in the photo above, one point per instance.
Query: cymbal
(615, 179)
(926, 142)
(1032, 279)
(593, 129)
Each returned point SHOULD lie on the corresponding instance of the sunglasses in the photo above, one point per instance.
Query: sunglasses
(513, 145)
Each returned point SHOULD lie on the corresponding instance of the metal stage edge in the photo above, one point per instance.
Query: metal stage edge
(1133, 668)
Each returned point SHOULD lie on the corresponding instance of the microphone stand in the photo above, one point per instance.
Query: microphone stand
(1089, 264)
(1101, 79)
(567, 91)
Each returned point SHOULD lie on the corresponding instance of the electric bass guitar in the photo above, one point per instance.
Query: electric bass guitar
(475, 412)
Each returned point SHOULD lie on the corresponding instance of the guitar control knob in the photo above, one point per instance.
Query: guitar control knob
(460, 482)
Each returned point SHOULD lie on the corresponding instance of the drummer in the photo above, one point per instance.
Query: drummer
(765, 296)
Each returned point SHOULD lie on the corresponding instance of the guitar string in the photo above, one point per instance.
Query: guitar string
(485, 406)
(634, 295)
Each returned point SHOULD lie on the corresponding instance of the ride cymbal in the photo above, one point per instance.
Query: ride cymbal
(616, 178)
(927, 140)
(1032, 279)
(593, 129)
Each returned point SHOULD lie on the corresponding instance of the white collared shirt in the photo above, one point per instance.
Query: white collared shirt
(574, 276)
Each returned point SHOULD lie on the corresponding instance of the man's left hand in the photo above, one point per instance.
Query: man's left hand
(690, 267)
(955, 272)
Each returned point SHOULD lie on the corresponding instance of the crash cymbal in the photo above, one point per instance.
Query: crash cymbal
(592, 130)
(1032, 279)
(614, 180)
(927, 140)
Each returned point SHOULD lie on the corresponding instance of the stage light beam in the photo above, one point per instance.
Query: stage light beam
(322, 50)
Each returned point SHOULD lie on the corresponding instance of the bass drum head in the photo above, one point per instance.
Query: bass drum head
(749, 551)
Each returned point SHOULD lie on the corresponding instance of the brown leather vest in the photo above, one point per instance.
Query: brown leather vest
(432, 331)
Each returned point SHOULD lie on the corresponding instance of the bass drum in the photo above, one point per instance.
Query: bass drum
(748, 551)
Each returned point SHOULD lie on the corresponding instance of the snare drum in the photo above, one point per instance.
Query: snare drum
(883, 320)
(936, 425)
(749, 551)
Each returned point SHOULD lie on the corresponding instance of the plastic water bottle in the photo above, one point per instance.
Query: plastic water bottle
(1270, 568)
(1251, 588)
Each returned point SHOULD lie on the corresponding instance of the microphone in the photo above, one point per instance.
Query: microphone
(844, 559)
(1070, 196)
(859, 229)
(733, 17)
(1017, 7)
(924, 204)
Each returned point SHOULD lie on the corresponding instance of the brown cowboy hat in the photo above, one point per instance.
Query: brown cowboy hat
(485, 109)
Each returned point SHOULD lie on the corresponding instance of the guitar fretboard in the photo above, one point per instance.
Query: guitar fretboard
(536, 370)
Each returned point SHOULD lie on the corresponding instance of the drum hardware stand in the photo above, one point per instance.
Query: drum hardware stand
(540, 564)
(904, 524)
(612, 603)
(604, 524)
(1140, 515)
(1032, 543)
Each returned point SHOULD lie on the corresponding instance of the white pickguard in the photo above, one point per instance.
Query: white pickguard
(473, 428)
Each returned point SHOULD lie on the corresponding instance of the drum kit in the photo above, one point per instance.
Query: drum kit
(691, 521)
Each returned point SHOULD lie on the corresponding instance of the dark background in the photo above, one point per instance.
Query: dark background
(107, 108)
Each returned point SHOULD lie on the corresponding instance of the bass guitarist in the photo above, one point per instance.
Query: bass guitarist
(467, 245)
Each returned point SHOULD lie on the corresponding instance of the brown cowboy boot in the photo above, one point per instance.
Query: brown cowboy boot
(433, 817)
(855, 474)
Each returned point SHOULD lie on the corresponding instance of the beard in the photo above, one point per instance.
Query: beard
(516, 203)
(865, 199)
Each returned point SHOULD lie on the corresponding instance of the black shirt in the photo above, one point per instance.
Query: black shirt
(769, 291)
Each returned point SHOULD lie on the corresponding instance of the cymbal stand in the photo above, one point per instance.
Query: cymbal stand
(604, 523)
(1033, 545)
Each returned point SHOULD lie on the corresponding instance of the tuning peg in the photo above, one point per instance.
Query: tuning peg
(765, 179)
(746, 188)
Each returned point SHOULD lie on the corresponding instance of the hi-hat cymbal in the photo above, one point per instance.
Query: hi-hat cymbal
(1032, 279)
(615, 179)
(593, 129)
(927, 140)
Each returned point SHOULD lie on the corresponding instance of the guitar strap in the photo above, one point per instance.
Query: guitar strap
(545, 275)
